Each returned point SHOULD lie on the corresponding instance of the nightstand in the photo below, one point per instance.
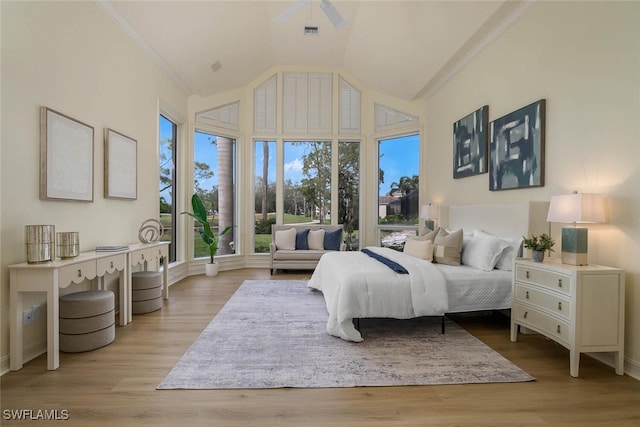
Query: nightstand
(579, 307)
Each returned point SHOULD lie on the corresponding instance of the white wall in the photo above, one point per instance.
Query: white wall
(73, 58)
(584, 59)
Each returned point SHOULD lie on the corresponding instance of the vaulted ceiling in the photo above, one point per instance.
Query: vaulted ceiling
(401, 48)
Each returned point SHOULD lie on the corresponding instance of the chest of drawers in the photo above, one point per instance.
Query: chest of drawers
(579, 307)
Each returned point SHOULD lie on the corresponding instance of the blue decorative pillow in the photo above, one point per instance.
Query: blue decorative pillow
(332, 240)
(301, 239)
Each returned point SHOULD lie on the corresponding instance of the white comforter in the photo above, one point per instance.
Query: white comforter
(356, 285)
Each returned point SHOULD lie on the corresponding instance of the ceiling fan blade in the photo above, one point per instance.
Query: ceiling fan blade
(289, 12)
(332, 13)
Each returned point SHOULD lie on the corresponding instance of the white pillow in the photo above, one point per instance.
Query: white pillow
(315, 239)
(286, 239)
(505, 262)
(419, 248)
(483, 252)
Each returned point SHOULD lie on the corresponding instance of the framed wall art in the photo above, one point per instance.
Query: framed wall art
(120, 166)
(470, 137)
(66, 157)
(517, 148)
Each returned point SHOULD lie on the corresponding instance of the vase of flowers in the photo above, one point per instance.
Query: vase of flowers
(538, 245)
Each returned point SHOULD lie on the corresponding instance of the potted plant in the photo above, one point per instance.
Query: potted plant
(211, 240)
(538, 245)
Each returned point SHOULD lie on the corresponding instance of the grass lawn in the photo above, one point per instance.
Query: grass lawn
(262, 241)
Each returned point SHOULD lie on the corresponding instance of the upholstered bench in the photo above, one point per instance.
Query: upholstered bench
(146, 292)
(87, 320)
(300, 246)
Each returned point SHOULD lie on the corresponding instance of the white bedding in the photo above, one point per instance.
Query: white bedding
(471, 289)
(357, 286)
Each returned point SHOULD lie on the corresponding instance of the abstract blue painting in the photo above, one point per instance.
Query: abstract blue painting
(470, 138)
(517, 149)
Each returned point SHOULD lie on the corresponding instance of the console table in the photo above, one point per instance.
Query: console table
(51, 276)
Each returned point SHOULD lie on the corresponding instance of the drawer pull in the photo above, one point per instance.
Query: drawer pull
(79, 273)
(558, 329)
(525, 315)
(560, 306)
(526, 294)
(526, 274)
(559, 283)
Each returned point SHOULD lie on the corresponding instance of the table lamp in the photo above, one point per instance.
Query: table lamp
(431, 214)
(575, 208)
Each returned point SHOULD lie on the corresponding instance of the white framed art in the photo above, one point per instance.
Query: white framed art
(66, 157)
(120, 166)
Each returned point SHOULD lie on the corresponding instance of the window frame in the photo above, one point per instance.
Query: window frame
(178, 128)
(237, 173)
(380, 228)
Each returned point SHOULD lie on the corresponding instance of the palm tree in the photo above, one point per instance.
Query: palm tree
(265, 178)
(405, 185)
(225, 192)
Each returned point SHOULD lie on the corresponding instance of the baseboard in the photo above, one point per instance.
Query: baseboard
(631, 367)
(29, 353)
(4, 365)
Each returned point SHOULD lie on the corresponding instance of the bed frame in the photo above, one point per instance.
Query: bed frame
(506, 219)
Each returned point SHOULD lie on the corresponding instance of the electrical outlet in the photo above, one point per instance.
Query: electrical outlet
(27, 317)
(35, 316)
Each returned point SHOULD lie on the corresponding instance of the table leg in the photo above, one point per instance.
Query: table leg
(123, 297)
(574, 362)
(15, 327)
(165, 277)
(619, 362)
(53, 329)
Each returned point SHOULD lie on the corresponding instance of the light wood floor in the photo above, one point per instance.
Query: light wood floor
(115, 385)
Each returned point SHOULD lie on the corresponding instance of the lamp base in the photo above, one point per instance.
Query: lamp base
(574, 246)
(571, 258)
(430, 224)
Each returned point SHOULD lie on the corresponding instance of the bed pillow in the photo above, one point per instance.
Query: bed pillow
(286, 239)
(418, 248)
(483, 252)
(332, 240)
(431, 235)
(447, 247)
(315, 240)
(505, 262)
(301, 239)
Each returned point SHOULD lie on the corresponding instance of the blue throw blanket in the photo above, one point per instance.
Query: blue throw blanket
(386, 261)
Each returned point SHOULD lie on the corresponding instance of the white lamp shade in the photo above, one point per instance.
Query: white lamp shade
(429, 211)
(577, 207)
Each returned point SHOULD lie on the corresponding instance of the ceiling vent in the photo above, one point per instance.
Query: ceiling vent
(310, 31)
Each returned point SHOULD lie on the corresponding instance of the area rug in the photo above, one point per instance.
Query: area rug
(272, 334)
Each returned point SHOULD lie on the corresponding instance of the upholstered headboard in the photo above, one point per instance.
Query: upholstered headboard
(507, 219)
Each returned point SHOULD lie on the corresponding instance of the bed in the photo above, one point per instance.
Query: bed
(357, 285)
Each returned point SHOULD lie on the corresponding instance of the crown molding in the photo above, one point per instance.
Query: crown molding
(141, 42)
(506, 15)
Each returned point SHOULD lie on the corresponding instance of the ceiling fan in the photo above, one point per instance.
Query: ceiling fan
(332, 13)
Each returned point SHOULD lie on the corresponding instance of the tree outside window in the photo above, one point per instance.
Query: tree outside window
(214, 179)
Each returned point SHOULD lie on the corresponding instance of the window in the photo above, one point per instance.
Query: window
(214, 181)
(399, 171)
(307, 102)
(264, 193)
(167, 157)
(349, 192)
(307, 182)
